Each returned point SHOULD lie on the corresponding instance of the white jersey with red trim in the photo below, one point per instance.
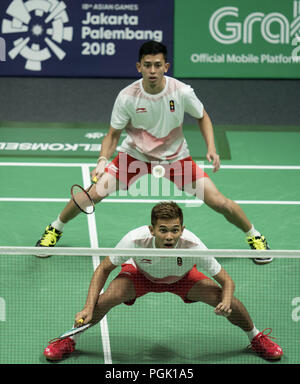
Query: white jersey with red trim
(154, 122)
(166, 269)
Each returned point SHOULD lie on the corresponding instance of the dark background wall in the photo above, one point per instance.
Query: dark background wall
(265, 102)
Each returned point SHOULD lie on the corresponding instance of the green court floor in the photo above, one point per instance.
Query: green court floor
(39, 297)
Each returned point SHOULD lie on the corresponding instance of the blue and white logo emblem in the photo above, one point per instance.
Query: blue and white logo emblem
(40, 29)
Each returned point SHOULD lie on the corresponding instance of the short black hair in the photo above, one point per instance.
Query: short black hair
(166, 210)
(153, 48)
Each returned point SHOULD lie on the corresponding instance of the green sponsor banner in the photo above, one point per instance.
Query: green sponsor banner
(69, 140)
(237, 39)
(51, 139)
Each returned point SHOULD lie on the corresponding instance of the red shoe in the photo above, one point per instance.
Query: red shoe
(266, 348)
(59, 347)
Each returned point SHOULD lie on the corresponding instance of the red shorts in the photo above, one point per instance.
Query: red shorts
(127, 170)
(142, 285)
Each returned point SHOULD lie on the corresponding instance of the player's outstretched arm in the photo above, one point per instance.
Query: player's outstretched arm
(207, 131)
(228, 286)
(108, 147)
(97, 283)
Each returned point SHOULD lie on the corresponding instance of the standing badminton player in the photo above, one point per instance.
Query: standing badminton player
(178, 275)
(151, 111)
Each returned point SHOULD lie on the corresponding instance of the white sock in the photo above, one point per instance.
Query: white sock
(253, 232)
(252, 333)
(58, 224)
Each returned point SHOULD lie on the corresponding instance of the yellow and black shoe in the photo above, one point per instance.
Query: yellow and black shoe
(259, 243)
(49, 238)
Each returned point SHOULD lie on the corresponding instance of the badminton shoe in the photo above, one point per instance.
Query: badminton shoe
(57, 348)
(266, 348)
(49, 239)
(259, 243)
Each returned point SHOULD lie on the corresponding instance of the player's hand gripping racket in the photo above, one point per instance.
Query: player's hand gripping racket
(75, 330)
(81, 197)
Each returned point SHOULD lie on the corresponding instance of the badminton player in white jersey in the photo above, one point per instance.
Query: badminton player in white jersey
(181, 276)
(151, 111)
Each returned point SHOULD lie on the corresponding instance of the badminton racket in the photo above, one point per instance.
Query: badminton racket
(75, 330)
(81, 197)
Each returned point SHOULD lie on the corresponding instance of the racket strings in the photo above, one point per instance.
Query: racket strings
(82, 199)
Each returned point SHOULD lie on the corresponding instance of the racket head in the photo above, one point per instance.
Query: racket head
(74, 331)
(82, 199)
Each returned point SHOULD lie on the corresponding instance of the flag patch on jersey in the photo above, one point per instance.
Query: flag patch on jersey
(179, 261)
(172, 106)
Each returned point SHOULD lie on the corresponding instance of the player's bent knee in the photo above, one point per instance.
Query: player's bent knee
(105, 186)
(120, 290)
(111, 299)
(206, 291)
(220, 204)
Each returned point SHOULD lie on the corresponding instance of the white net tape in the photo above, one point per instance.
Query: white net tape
(134, 252)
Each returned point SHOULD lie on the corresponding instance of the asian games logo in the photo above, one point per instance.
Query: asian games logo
(40, 29)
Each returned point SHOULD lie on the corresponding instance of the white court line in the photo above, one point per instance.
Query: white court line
(34, 200)
(150, 201)
(96, 261)
(258, 167)
(146, 201)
